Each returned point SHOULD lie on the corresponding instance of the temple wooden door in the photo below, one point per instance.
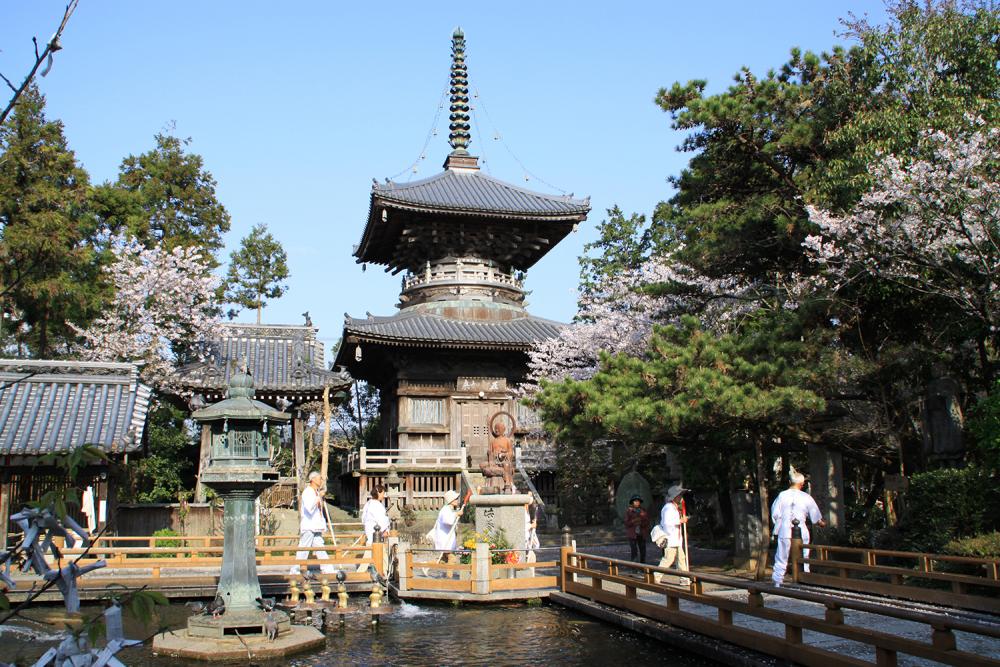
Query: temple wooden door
(474, 429)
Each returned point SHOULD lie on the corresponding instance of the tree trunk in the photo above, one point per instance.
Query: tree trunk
(325, 457)
(764, 508)
(259, 309)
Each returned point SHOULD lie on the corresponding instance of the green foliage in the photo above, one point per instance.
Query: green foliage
(984, 427)
(986, 545)
(949, 504)
(624, 244)
(48, 266)
(582, 483)
(689, 380)
(256, 271)
(168, 466)
(165, 196)
(163, 544)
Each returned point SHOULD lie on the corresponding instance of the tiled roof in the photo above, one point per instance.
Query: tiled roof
(280, 358)
(475, 192)
(418, 327)
(51, 406)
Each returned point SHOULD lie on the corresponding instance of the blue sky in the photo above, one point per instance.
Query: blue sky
(296, 106)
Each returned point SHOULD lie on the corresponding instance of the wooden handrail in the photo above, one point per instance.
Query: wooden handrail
(759, 587)
(793, 646)
(917, 555)
(897, 581)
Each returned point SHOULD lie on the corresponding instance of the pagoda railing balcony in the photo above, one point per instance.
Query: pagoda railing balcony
(364, 459)
(464, 272)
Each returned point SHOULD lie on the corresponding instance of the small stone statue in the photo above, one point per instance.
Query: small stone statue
(310, 594)
(324, 590)
(294, 592)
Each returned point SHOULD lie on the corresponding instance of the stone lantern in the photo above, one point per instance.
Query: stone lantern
(239, 470)
(392, 483)
(242, 433)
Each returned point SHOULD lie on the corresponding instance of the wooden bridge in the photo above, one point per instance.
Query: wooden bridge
(189, 566)
(804, 623)
(855, 606)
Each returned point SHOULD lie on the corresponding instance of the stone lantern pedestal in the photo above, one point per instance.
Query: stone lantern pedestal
(239, 471)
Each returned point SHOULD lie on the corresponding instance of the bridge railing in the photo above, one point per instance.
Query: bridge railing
(903, 574)
(201, 556)
(621, 583)
(478, 575)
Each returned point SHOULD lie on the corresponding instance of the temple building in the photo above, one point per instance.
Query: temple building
(287, 365)
(449, 360)
(53, 407)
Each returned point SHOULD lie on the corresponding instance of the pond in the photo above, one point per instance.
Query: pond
(431, 635)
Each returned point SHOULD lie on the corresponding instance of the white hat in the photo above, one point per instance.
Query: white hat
(675, 491)
(450, 496)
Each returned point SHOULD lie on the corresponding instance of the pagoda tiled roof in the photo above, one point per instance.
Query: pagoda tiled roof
(284, 360)
(56, 406)
(475, 193)
(430, 329)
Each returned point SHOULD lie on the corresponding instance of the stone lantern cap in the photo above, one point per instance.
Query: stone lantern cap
(240, 404)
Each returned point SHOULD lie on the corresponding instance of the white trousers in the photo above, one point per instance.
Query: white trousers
(781, 559)
(312, 538)
(670, 556)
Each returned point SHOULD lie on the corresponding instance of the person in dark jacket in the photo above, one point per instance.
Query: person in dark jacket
(636, 528)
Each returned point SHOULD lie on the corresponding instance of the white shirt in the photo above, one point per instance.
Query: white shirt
(310, 511)
(444, 536)
(793, 504)
(373, 516)
(530, 535)
(670, 522)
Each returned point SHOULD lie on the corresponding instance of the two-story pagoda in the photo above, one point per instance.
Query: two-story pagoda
(455, 350)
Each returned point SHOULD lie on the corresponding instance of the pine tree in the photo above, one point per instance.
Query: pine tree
(170, 201)
(256, 271)
(49, 268)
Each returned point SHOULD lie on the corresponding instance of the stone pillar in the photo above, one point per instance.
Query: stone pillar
(502, 512)
(746, 526)
(238, 583)
(481, 569)
(826, 476)
(403, 554)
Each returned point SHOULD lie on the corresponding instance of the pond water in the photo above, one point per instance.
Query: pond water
(430, 635)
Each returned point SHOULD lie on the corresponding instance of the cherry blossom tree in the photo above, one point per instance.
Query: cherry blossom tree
(617, 315)
(929, 225)
(164, 303)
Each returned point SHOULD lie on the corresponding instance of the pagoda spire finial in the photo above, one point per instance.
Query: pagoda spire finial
(459, 135)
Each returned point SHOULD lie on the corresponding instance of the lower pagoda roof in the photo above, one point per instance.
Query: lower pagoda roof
(423, 329)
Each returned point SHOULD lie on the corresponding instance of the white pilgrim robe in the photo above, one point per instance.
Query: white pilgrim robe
(791, 504)
(373, 516)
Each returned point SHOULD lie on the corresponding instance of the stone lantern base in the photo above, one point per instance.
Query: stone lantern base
(229, 647)
(247, 623)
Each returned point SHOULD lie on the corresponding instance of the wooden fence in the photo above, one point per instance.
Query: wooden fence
(903, 574)
(478, 576)
(158, 560)
(618, 583)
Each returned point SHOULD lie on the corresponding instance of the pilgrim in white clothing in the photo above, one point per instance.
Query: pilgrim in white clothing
(792, 503)
(670, 523)
(374, 517)
(312, 523)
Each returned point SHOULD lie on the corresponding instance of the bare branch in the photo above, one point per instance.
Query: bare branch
(51, 46)
(9, 84)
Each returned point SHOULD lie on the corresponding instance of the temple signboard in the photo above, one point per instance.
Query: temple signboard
(477, 384)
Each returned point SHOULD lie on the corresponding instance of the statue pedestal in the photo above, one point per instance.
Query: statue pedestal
(502, 512)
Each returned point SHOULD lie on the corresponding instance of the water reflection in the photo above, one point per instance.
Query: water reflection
(468, 635)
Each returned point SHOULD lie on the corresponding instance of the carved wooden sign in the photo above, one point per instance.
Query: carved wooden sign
(474, 385)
